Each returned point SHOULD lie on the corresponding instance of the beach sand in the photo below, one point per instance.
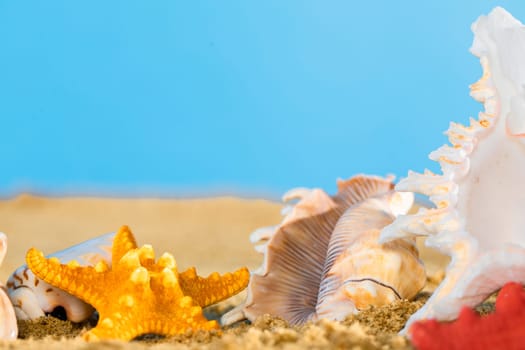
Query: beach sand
(210, 234)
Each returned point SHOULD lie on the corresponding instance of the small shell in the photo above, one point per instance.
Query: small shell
(33, 298)
(9, 327)
(324, 261)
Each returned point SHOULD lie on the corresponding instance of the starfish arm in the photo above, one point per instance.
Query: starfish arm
(81, 281)
(167, 316)
(123, 242)
(214, 288)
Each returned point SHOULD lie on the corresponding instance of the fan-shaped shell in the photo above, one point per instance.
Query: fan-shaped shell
(324, 259)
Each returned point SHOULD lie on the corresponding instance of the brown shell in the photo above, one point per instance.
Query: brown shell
(311, 260)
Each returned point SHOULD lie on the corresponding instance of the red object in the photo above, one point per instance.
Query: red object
(503, 329)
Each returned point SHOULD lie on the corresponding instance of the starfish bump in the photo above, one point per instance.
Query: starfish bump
(138, 295)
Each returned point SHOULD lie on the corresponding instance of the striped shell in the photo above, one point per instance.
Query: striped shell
(324, 259)
(33, 298)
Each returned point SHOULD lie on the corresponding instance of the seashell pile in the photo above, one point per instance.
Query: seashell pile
(332, 256)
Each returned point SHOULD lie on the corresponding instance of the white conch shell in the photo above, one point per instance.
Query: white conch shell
(324, 260)
(479, 219)
(9, 327)
(33, 298)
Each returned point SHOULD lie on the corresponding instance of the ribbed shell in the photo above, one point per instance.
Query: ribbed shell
(302, 254)
(30, 295)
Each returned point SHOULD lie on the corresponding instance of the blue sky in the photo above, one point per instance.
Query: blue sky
(228, 97)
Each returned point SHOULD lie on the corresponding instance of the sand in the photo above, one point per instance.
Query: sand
(210, 234)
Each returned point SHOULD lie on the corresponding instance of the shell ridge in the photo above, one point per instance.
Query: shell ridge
(296, 252)
(376, 282)
(359, 188)
(364, 218)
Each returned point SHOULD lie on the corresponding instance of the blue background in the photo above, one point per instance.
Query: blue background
(148, 98)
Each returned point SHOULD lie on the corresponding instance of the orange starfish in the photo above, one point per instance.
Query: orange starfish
(137, 295)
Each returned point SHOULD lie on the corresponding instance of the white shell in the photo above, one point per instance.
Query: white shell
(8, 325)
(479, 217)
(33, 298)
